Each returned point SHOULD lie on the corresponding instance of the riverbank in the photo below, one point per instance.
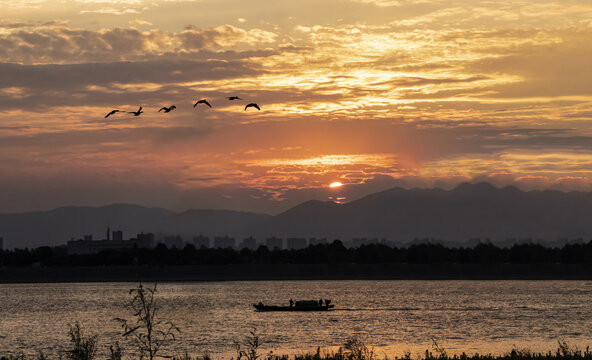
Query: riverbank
(351, 350)
(347, 271)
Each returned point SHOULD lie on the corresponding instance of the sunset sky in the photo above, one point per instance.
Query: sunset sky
(369, 93)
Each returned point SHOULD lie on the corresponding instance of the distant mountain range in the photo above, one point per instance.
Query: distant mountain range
(468, 211)
(57, 226)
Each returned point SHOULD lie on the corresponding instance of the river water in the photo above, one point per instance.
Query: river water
(391, 316)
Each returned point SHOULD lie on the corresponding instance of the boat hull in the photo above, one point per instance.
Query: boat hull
(259, 307)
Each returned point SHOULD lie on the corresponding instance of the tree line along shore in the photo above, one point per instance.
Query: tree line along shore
(316, 262)
(333, 253)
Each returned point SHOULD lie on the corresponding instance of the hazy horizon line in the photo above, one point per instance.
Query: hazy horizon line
(400, 186)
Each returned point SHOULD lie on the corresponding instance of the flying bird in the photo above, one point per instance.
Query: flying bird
(167, 109)
(233, 98)
(136, 113)
(252, 105)
(111, 113)
(202, 101)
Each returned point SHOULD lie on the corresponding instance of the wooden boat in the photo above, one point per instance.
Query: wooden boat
(306, 305)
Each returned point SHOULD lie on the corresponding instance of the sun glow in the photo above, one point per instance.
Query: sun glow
(335, 184)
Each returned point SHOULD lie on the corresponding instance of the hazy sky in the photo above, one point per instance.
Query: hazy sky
(371, 93)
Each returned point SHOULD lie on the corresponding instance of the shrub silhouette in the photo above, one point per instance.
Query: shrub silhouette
(82, 347)
(149, 333)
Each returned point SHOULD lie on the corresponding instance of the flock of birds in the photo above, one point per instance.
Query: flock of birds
(173, 107)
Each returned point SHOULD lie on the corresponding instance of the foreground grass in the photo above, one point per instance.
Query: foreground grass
(352, 350)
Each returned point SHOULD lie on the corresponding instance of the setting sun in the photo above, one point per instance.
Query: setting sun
(335, 184)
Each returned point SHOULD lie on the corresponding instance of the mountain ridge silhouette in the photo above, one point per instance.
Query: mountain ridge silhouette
(465, 212)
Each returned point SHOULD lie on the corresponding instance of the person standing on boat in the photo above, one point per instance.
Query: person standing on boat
(291, 303)
(320, 302)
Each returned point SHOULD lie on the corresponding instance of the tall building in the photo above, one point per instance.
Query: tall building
(249, 243)
(174, 241)
(145, 240)
(117, 235)
(274, 243)
(201, 242)
(223, 242)
(296, 243)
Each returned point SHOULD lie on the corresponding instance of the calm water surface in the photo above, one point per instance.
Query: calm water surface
(391, 316)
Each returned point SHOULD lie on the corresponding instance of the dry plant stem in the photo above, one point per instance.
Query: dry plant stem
(148, 332)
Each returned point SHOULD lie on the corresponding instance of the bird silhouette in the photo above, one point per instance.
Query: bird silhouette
(202, 101)
(167, 109)
(233, 98)
(252, 105)
(136, 113)
(111, 113)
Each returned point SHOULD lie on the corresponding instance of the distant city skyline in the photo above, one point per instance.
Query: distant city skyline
(465, 213)
(367, 93)
(115, 241)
